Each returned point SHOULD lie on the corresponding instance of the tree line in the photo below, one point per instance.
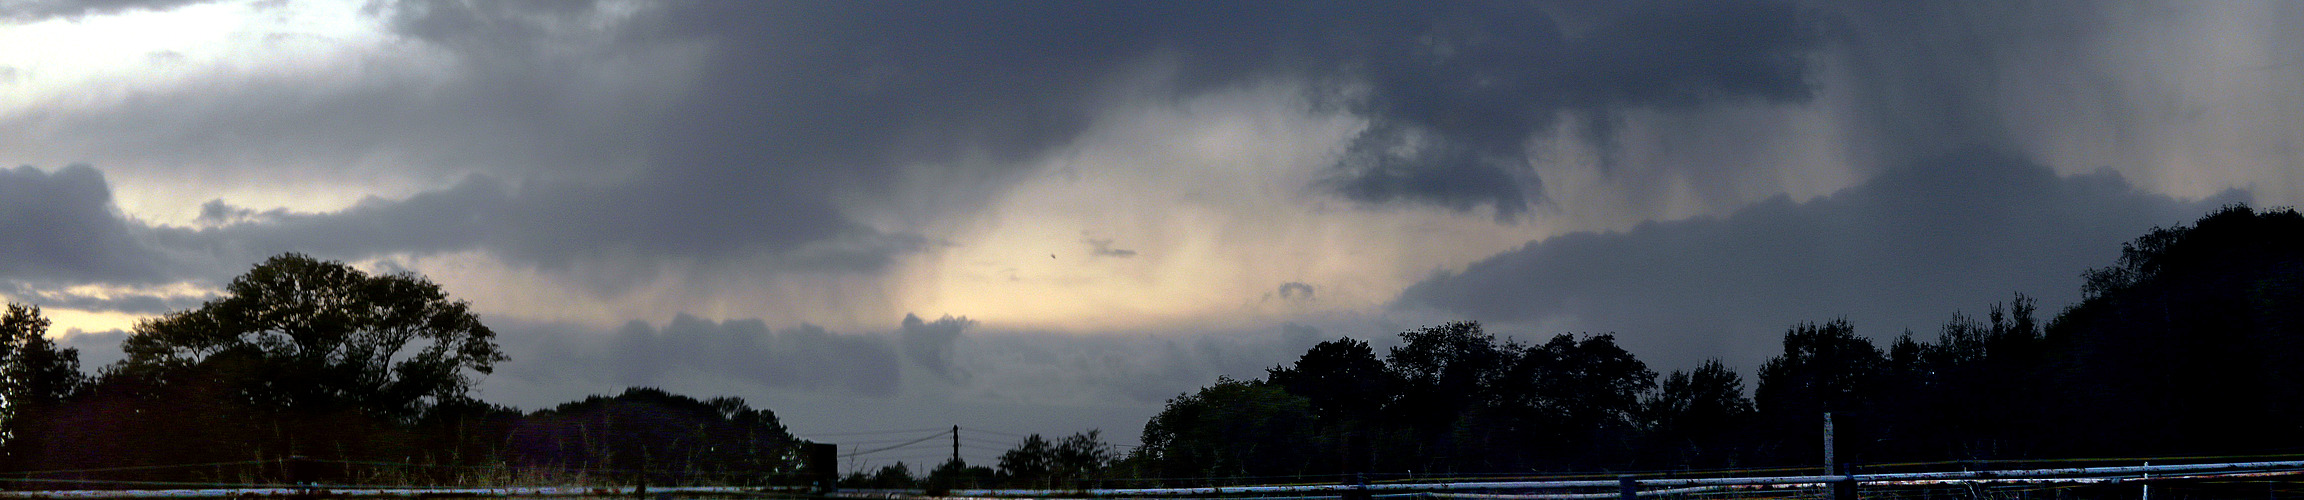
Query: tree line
(2192, 343)
(2188, 344)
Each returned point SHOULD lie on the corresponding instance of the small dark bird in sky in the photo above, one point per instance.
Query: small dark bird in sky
(1051, 256)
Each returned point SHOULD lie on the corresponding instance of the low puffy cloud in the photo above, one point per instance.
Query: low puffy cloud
(1295, 291)
(929, 344)
(62, 227)
(1903, 250)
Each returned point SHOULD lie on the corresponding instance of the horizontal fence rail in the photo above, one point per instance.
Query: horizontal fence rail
(543, 491)
(1628, 486)
(1441, 489)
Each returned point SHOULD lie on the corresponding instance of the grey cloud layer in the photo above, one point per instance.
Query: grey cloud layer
(1452, 90)
(944, 357)
(756, 133)
(1903, 250)
(806, 357)
(713, 133)
(1457, 90)
(61, 227)
(788, 110)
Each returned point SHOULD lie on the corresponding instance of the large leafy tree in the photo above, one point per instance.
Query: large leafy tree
(34, 373)
(1231, 429)
(1343, 379)
(2195, 335)
(1825, 368)
(1697, 418)
(302, 334)
(36, 370)
(1445, 373)
(1037, 462)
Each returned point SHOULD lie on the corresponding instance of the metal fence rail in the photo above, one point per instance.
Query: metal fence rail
(1638, 486)
(1626, 487)
(542, 491)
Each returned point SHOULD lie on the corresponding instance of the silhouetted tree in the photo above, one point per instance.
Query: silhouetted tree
(1445, 373)
(1973, 393)
(35, 376)
(1699, 418)
(1342, 379)
(1030, 463)
(1824, 368)
(1038, 463)
(2195, 335)
(36, 370)
(957, 474)
(1562, 403)
(1348, 388)
(1231, 429)
(888, 477)
(1081, 456)
(302, 334)
(673, 438)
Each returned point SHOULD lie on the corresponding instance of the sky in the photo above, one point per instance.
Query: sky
(1048, 217)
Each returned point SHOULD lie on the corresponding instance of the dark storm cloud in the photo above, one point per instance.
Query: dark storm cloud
(1903, 250)
(1457, 89)
(601, 145)
(806, 357)
(799, 96)
(1929, 78)
(62, 227)
(929, 344)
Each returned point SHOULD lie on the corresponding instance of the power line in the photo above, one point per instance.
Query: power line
(876, 441)
(922, 439)
(890, 431)
(993, 432)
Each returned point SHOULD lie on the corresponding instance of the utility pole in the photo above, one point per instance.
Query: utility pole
(955, 443)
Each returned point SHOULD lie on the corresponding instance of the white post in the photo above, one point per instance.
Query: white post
(1831, 463)
(1831, 466)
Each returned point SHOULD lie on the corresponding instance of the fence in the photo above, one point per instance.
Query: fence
(1628, 487)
